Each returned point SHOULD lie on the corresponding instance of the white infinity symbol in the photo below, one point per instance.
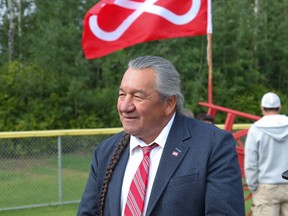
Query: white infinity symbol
(139, 8)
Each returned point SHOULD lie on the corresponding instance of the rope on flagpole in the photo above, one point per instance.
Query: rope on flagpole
(210, 68)
(209, 52)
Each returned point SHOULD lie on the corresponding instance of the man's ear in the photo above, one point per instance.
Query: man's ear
(170, 105)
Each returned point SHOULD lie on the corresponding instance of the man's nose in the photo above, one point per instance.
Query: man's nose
(127, 104)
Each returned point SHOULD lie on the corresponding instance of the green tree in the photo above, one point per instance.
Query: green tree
(50, 85)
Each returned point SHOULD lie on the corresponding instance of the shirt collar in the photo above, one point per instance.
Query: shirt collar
(160, 139)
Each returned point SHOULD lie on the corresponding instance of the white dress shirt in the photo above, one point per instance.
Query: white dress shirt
(135, 158)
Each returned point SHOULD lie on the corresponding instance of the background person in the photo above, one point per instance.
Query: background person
(194, 168)
(206, 118)
(266, 150)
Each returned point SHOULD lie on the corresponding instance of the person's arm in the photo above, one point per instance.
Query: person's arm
(251, 161)
(285, 175)
(224, 191)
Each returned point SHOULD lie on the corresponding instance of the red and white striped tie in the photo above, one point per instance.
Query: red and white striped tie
(136, 196)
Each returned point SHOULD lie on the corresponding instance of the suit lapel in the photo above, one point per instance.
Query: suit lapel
(173, 153)
(115, 185)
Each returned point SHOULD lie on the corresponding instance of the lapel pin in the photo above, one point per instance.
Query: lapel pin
(175, 153)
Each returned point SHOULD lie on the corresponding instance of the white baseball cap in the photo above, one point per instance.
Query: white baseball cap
(270, 100)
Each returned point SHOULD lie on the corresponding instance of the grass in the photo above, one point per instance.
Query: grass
(248, 205)
(63, 210)
(35, 181)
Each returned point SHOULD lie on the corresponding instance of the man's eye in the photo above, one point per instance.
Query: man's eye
(121, 95)
(138, 96)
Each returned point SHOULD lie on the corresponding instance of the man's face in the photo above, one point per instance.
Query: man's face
(141, 112)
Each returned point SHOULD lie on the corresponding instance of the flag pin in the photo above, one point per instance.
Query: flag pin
(175, 153)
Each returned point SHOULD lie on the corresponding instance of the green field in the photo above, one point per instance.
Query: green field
(35, 181)
(64, 210)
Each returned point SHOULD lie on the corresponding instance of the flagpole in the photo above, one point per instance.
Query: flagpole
(210, 70)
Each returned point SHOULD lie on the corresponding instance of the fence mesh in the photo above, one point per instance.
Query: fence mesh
(38, 170)
(44, 170)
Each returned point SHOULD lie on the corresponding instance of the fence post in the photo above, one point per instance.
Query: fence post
(59, 170)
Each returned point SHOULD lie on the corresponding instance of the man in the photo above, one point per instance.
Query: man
(266, 149)
(193, 168)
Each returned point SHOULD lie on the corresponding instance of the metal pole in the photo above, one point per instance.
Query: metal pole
(59, 170)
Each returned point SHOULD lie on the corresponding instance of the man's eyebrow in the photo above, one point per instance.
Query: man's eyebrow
(135, 91)
(139, 91)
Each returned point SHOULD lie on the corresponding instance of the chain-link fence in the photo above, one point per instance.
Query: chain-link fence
(46, 168)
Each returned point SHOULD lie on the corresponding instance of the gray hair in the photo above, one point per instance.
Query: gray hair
(168, 81)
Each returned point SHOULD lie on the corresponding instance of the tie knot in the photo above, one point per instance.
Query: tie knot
(147, 149)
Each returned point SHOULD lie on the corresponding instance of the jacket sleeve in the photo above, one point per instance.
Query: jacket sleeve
(251, 160)
(224, 191)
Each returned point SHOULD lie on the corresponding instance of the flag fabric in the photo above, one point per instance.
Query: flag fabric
(111, 25)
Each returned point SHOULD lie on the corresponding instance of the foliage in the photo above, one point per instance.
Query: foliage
(50, 85)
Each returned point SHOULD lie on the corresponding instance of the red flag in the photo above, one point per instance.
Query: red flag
(111, 25)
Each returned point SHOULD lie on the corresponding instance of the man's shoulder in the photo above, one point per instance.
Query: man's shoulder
(197, 127)
(272, 121)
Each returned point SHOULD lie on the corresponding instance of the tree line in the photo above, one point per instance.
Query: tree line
(46, 83)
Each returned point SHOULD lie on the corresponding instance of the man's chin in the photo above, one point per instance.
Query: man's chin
(130, 130)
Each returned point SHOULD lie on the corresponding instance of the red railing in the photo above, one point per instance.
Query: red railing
(231, 114)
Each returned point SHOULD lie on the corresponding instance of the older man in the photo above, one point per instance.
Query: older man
(164, 163)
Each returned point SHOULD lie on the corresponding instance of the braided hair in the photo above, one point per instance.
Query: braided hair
(112, 164)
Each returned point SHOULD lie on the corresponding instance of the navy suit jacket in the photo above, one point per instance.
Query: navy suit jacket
(203, 179)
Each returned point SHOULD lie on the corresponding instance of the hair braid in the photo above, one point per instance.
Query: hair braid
(112, 164)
